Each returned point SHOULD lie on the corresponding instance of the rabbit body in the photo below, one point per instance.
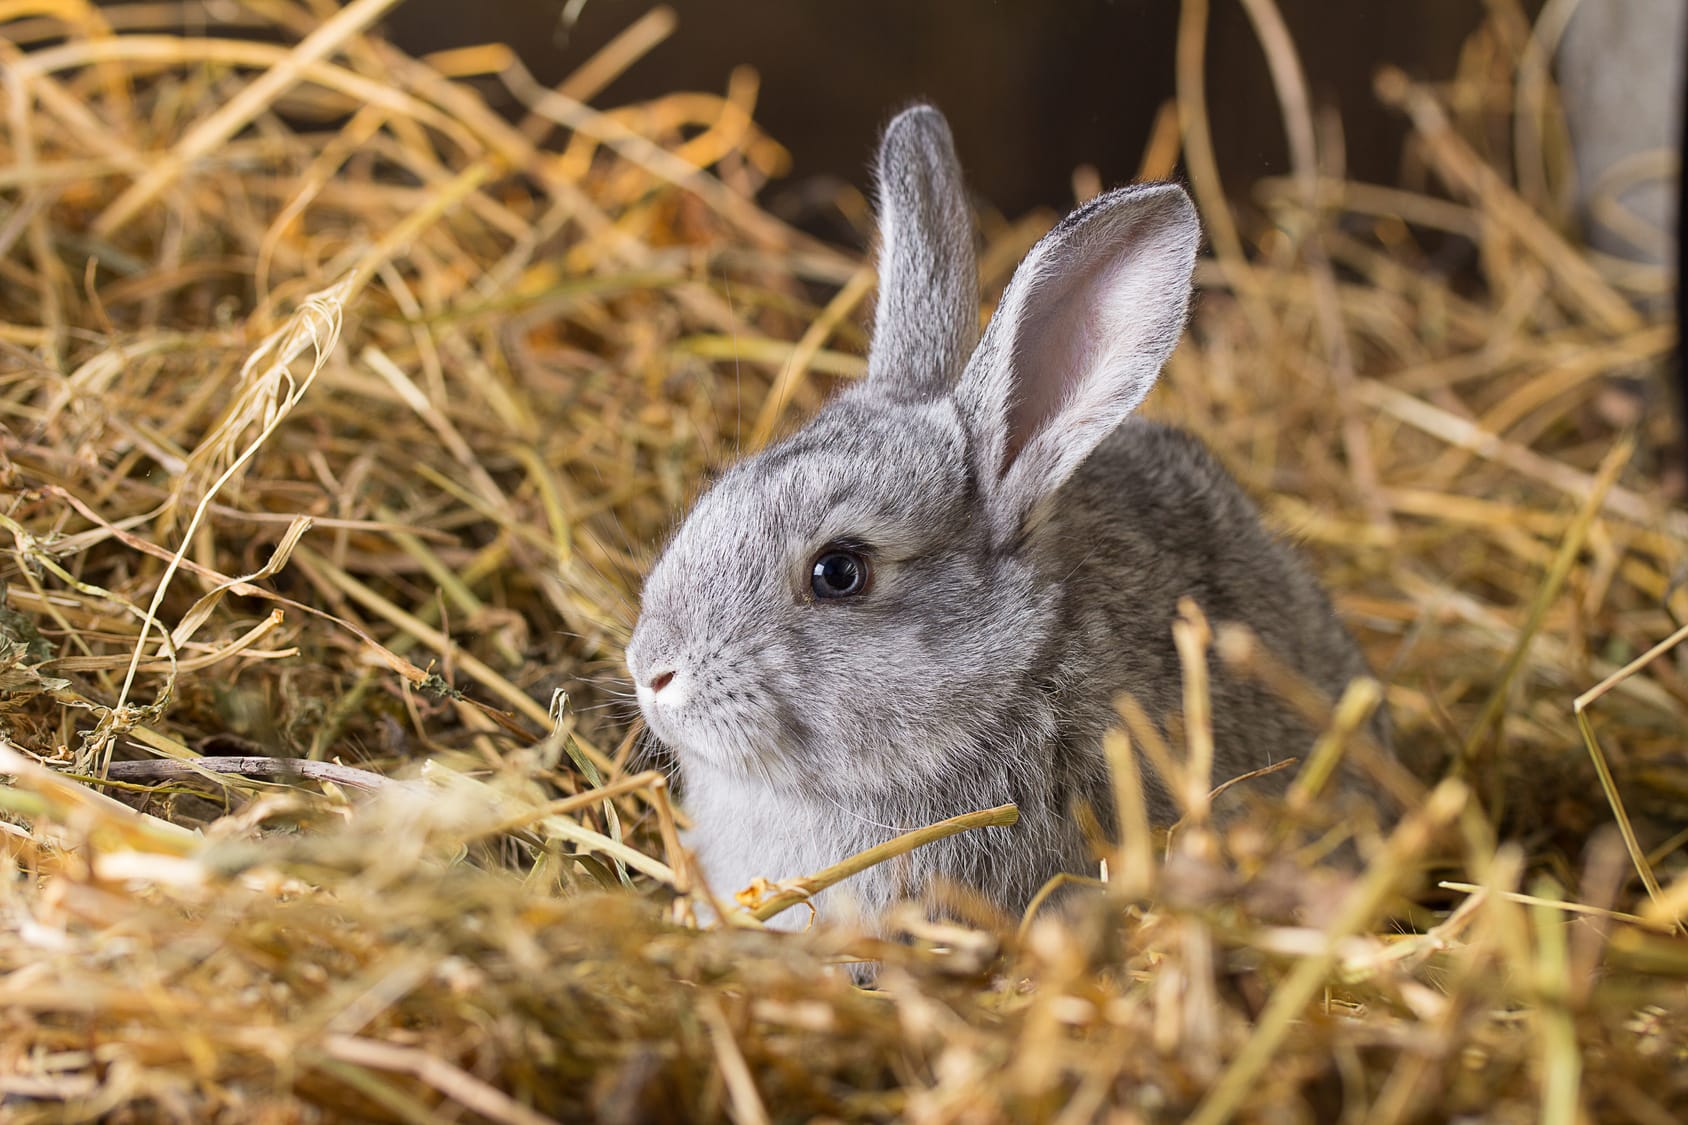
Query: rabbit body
(926, 601)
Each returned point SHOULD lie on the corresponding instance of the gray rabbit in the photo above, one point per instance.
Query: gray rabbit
(927, 600)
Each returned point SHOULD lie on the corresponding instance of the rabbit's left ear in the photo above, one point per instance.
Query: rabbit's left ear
(927, 318)
(1080, 337)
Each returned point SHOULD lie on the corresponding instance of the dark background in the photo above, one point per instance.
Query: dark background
(1033, 88)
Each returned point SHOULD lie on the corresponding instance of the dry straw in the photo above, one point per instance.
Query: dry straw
(339, 409)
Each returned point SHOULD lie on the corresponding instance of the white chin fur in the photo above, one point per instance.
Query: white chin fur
(700, 746)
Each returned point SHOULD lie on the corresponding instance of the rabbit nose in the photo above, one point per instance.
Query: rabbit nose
(666, 688)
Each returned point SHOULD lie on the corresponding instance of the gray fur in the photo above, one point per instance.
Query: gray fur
(1030, 542)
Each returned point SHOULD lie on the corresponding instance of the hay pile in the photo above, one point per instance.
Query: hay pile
(340, 412)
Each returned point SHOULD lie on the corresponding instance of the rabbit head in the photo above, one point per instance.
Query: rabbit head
(856, 609)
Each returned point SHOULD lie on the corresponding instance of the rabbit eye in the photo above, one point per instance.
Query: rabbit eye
(838, 573)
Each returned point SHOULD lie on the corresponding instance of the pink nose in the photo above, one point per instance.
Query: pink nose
(661, 680)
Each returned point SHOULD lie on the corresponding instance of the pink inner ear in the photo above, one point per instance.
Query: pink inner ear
(1054, 350)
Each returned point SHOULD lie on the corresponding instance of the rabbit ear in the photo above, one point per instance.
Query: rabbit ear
(1077, 342)
(927, 318)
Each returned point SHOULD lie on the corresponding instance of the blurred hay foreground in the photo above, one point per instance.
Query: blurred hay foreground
(339, 411)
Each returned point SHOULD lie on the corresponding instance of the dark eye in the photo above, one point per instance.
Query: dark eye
(838, 573)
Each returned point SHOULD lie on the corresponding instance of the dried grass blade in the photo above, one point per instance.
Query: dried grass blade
(1610, 466)
(1561, 1061)
(1191, 636)
(83, 809)
(801, 890)
(201, 610)
(1133, 873)
(241, 109)
(1609, 786)
(791, 375)
(444, 1077)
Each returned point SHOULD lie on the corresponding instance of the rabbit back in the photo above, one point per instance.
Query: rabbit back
(1153, 517)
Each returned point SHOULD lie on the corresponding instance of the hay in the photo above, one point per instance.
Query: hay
(340, 412)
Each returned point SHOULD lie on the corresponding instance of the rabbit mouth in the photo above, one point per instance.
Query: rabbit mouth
(693, 730)
(735, 732)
